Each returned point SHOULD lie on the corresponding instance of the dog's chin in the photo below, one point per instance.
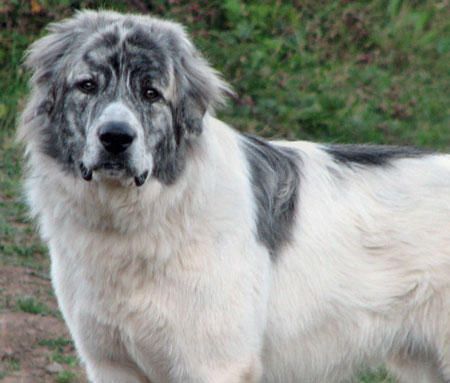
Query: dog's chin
(115, 174)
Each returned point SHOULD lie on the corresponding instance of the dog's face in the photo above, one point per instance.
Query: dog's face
(118, 97)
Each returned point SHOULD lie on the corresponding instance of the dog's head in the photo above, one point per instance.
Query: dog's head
(118, 96)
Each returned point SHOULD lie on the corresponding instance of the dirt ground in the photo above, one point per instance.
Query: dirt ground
(35, 345)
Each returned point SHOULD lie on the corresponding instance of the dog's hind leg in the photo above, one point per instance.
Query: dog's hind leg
(407, 369)
(425, 355)
(441, 335)
(446, 371)
(445, 360)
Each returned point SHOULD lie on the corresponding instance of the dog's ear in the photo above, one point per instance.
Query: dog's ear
(45, 59)
(199, 88)
(46, 56)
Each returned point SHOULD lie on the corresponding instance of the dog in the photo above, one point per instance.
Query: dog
(185, 251)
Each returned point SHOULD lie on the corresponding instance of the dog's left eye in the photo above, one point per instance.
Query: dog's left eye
(151, 94)
(87, 86)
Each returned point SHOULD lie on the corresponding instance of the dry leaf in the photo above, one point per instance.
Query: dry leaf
(36, 7)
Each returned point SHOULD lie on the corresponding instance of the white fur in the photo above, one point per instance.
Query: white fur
(168, 283)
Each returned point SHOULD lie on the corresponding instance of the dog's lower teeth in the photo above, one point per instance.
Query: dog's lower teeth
(87, 176)
(85, 173)
(139, 181)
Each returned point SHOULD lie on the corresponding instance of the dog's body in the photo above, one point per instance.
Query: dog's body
(238, 260)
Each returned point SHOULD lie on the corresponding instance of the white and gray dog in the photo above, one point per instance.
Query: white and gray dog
(183, 251)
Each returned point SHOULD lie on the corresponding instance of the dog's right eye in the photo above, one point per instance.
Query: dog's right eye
(87, 86)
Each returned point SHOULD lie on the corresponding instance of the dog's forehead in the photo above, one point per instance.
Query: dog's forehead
(128, 47)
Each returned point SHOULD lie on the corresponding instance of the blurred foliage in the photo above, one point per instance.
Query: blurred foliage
(342, 70)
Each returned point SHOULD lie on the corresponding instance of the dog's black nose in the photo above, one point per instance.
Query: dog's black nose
(116, 137)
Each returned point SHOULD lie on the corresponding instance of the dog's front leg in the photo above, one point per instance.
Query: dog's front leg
(239, 372)
(251, 373)
(111, 372)
(201, 357)
(105, 367)
(103, 353)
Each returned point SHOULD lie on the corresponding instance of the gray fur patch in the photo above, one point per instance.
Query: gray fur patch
(275, 177)
(371, 155)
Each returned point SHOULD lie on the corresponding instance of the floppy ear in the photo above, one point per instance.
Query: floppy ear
(45, 60)
(199, 87)
(46, 56)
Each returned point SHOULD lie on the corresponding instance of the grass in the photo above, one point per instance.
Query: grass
(32, 306)
(13, 364)
(19, 244)
(56, 344)
(379, 376)
(66, 377)
(335, 71)
(59, 346)
(10, 365)
(69, 360)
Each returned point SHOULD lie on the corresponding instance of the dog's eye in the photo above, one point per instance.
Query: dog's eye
(151, 94)
(87, 86)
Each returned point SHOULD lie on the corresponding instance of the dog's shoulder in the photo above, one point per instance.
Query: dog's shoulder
(274, 172)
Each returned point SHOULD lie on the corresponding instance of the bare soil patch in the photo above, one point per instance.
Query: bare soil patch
(35, 344)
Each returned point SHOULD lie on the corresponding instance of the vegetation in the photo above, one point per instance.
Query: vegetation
(338, 70)
(66, 377)
(32, 306)
(59, 347)
(57, 344)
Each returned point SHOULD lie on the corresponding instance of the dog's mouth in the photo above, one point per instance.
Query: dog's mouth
(113, 170)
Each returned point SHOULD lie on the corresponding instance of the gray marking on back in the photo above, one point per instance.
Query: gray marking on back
(275, 178)
(372, 155)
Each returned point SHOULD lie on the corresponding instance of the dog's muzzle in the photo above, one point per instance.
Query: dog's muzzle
(114, 147)
(116, 138)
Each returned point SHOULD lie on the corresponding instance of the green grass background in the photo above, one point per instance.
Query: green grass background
(336, 71)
